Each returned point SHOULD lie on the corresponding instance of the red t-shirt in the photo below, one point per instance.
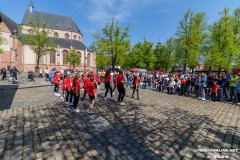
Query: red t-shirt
(215, 88)
(115, 81)
(69, 81)
(56, 79)
(93, 75)
(64, 84)
(119, 79)
(107, 79)
(98, 78)
(135, 82)
(84, 76)
(183, 81)
(86, 83)
(76, 87)
(91, 87)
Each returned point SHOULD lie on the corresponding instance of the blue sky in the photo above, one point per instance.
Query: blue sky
(150, 19)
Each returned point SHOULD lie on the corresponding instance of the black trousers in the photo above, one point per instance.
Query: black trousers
(68, 94)
(114, 88)
(108, 87)
(121, 91)
(85, 92)
(135, 89)
(4, 76)
(76, 100)
(56, 87)
(170, 90)
(213, 96)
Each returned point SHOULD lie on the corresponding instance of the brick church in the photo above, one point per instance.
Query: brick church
(63, 31)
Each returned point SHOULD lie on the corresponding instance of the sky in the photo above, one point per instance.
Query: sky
(153, 20)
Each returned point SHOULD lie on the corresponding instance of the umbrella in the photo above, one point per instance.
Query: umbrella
(158, 71)
(142, 70)
(133, 70)
(238, 70)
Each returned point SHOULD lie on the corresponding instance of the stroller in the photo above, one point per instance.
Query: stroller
(31, 76)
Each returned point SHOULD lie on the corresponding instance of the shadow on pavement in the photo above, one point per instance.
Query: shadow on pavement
(7, 94)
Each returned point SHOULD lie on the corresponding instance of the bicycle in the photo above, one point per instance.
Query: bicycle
(22, 79)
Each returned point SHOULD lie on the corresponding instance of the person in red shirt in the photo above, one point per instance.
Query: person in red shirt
(93, 75)
(76, 92)
(214, 91)
(99, 79)
(69, 89)
(56, 81)
(91, 94)
(115, 83)
(120, 87)
(108, 86)
(64, 87)
(84, 76)
(135, 87)
(85, 87)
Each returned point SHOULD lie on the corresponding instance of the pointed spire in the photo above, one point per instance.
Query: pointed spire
(31, 6)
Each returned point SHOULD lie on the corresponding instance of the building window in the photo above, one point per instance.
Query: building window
(30, 31)
(66, 36)
(53, 56)
(55, 35)
(80, 39)
(75, 37)
(88, 59)
(65, 52)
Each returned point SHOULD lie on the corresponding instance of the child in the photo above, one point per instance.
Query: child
(56, 81)
(92, 95)
(85, 87)
(76, 92)
(64, 87)
(98, 80)
(135, 87)
(214, 91)
(115, 83)
(69, 89)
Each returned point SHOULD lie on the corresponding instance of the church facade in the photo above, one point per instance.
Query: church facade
(63, 31)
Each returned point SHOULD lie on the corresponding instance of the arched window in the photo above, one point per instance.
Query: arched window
(53, 56)
(80, 38)
(30, 31)
(65, 52)
(75, 37)
(66, 36)
(88, 59)
(55, 35)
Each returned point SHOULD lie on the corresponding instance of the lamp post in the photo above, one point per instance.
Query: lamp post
(58, 55)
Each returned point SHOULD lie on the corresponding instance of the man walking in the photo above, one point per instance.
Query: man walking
(233, 87)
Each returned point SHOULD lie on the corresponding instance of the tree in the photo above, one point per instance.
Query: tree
(190, 35)
(142, 55)
(1, 41)
(39, 40)
(114, 42)
(73, 57)
(221, 45)
(236, 31)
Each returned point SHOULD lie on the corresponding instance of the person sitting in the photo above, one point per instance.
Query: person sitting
(31, 76)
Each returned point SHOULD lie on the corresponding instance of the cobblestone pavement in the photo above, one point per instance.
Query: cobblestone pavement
(34, 124)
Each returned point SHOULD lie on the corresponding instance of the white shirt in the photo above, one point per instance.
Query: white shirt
(46, 71)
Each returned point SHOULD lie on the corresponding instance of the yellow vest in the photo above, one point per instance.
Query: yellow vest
(233, 84)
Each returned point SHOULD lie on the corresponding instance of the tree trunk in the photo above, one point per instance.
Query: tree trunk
(184, 68)
(192, 70)
(173, 68)
(37, 67)
(219, 71)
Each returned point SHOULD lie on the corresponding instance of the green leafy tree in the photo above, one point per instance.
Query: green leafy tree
(190, 35)
(143, 56)
(73, 57)
(39, 40)
(113, 42)
(221, 44)
(236, 31)
(1, 41)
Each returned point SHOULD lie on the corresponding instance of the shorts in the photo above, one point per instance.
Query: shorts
(91, 97)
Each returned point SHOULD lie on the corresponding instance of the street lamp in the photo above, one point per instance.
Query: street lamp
(58, 55)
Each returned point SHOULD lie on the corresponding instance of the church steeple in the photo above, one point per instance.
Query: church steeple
(31, 6)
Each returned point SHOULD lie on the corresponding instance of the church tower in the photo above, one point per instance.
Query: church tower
(31, 6)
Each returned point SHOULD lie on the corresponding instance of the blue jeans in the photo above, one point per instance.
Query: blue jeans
(233, 92)
(202, 91)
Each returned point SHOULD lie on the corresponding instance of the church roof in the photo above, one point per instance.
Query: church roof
(12, 26)
(52, 21)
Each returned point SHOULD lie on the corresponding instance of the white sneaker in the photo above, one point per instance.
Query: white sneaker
(203, 99)
(77, 110)
(122, 104)
(57, 94)
(113, 93)
(91, 112)
(61, 98)
(199, 98)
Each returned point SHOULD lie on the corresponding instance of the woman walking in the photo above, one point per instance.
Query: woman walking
(121, 89)
(135, 87)
(69, 90)
(108, 86)
(76, 92)
(92, 95)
